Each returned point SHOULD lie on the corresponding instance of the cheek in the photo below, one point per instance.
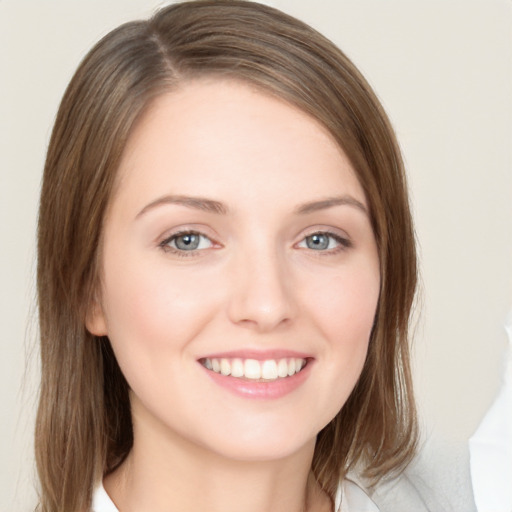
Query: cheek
(152, 311)
(344, 311)
(345, 306)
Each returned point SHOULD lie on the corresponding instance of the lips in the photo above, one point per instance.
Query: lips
(263, 375)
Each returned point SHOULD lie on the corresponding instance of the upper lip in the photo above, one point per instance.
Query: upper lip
(259, 355)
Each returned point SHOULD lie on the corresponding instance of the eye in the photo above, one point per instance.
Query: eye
(324, 241)
(186, 242)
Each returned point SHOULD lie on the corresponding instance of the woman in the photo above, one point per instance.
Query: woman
(226, 271)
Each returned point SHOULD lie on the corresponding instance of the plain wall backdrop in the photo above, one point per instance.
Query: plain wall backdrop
(443, 70)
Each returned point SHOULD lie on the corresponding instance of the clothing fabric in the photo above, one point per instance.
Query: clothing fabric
(349, 498)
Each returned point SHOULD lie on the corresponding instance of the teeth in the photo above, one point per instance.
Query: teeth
(282, 368)
(225, 367)
(270, 369)
(291, 367)
(237, 368)
(252, 369)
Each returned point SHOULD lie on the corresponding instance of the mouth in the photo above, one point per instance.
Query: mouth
(254, 370)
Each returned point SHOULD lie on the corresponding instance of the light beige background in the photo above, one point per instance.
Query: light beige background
(443, 70)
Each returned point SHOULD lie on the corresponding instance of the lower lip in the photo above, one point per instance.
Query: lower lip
(269, 390)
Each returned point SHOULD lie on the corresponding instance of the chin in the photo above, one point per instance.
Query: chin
(260, 443)
(263, 450)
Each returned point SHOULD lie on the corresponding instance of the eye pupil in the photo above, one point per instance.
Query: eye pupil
(187, 242)
(317, 241)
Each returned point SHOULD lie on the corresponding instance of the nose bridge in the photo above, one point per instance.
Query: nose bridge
(261, 291)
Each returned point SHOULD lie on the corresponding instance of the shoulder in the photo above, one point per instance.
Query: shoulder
(352, 498)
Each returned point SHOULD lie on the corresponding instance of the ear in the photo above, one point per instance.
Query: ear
(95, 320)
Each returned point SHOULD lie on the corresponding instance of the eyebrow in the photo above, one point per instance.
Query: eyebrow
(329, 202)
(212, 206)
(197, 203)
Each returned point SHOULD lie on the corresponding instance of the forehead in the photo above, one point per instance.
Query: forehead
(211, 132)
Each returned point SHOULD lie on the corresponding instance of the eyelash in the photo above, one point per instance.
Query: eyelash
(343, 243)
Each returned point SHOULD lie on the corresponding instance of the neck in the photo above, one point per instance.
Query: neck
(177, 475)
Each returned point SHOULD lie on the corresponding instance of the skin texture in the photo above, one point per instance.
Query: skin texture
(253, 284)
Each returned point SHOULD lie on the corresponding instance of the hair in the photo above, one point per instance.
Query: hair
(83, 428)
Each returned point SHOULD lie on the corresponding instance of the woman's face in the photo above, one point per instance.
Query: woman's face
(240, 273)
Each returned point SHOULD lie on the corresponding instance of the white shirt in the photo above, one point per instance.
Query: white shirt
(349, 498)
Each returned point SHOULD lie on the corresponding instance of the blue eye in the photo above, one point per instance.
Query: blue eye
(324, 242)
(187, 242)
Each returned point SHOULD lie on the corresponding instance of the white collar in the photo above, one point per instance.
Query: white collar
(349, 495)
(101, 501)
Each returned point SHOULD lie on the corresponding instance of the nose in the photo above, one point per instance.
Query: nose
(262, 296)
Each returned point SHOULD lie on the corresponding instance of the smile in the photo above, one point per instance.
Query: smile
(253, 369)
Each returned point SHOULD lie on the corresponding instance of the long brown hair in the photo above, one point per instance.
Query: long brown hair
(83, 426)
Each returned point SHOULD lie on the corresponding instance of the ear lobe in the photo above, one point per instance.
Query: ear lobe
(95, 320)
